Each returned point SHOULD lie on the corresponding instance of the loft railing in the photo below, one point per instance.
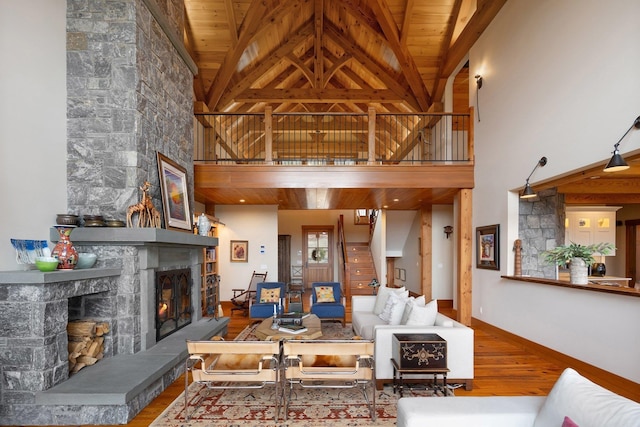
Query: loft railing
(332, 138)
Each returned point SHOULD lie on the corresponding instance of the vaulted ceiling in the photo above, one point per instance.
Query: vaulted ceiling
(329, 55)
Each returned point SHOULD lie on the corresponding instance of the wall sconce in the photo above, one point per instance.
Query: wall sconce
(617, 163)
(478, 86)
(528, 192)
(448, 229)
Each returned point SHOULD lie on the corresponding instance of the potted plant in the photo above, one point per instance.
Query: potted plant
(578, 257)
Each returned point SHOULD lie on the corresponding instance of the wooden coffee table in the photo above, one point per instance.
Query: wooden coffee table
(311, 322)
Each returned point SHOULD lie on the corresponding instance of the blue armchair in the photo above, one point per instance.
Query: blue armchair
(327, 301)
(268, 294)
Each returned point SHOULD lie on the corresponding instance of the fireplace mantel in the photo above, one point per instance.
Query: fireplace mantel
(135, 237)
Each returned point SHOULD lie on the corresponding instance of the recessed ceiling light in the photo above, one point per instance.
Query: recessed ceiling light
(396, 200)
(241, 200)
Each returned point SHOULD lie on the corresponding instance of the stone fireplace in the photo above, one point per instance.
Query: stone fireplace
(121, 290)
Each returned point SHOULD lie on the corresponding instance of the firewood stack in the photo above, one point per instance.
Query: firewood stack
(86, 343)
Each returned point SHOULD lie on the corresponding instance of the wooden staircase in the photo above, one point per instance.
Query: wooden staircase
(359, 269)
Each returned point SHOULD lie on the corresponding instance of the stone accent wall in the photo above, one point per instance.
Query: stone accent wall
(541, 224)
(129, 96)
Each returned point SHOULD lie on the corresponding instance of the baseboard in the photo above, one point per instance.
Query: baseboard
(613, 382)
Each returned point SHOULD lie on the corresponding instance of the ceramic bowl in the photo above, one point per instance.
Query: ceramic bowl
(86, 260)
(65, 219)
(46, 263)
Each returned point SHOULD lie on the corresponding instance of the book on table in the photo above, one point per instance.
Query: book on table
(293, 329)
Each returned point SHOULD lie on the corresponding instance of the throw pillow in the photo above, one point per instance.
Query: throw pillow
(423, 316)
(409, 305)
(394, 308)
(383, 295)
(568, 423)
(324, 294)
(269, 295)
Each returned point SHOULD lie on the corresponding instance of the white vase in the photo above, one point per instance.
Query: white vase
(204, 225)
(578, 271)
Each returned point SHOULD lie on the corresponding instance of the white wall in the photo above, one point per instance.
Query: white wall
(441, 248)
(259, 226)
(33, 148)
(560, 80)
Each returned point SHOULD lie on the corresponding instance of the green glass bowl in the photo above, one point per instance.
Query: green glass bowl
(46, 263)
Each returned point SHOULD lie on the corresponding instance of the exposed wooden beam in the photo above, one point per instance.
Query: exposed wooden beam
(231, 19)
(411, 73)
(603, 186)
(601, 199)
(318, 96)
(280, 53)
(260, 13)
(440, 80)
(318, 67)
(376, 70)
(406, 22)
(302, 67)
(486, 11)
(463, 233)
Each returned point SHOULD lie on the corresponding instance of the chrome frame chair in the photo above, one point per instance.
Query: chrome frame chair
(220, 365)
(302, 368)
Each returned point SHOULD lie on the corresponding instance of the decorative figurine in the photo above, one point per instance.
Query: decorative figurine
(148, 215)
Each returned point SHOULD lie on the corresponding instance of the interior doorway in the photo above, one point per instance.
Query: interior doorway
(317, 249)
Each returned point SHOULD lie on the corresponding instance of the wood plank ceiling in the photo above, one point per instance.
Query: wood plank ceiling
(329, 55)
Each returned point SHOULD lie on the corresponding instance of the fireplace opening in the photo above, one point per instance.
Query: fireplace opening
(173, 301)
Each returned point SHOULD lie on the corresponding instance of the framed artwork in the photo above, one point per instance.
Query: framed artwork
(488, 247)
(239, 250)
(403, 274)
(175, 198)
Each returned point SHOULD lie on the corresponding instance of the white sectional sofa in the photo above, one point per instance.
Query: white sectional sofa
(573, 400)
(459, 337)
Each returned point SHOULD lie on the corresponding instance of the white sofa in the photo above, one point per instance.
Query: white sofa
(585, 403)
(459, 339)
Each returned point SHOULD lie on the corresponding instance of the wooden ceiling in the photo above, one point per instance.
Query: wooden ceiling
(330, 56)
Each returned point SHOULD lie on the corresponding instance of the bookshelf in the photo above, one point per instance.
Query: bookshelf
(210, 288)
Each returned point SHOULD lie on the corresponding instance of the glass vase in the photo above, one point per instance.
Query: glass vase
(64, 250)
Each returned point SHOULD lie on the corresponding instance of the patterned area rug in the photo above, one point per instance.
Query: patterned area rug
(308, 407)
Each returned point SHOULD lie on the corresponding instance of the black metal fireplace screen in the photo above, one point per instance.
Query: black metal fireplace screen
(173, 301)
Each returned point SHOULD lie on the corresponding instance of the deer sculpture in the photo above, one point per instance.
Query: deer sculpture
(148, 215)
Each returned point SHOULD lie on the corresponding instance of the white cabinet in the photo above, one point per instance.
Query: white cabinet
(586, 225)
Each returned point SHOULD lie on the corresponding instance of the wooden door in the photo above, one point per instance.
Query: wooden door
(317, 248)
(284, 258)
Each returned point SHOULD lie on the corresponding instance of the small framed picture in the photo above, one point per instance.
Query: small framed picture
(488, 247)
(175, 199)
(403, 274)
(239, 250)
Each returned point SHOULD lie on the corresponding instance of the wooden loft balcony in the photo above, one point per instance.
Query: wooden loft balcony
(333, 161)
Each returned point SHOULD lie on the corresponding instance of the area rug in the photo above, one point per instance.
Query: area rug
(308, 407)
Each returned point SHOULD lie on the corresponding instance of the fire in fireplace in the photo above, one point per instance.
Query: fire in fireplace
(173, 301)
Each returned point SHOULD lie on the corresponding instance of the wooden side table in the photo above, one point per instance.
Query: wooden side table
(421, 354)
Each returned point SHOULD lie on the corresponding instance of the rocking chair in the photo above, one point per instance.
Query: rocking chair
(242, 297)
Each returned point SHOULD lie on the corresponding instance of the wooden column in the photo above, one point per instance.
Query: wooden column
(426, 233)
(465, 255)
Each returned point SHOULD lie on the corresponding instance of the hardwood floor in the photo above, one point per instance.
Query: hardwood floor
(504, 365)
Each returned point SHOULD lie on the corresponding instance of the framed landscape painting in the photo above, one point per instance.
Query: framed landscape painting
(175, 199)
(488, 247)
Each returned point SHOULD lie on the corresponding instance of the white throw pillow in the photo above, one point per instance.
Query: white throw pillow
(423, 316)
(382, 296)
(394, 308)
(398, 308)
(409, 305)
